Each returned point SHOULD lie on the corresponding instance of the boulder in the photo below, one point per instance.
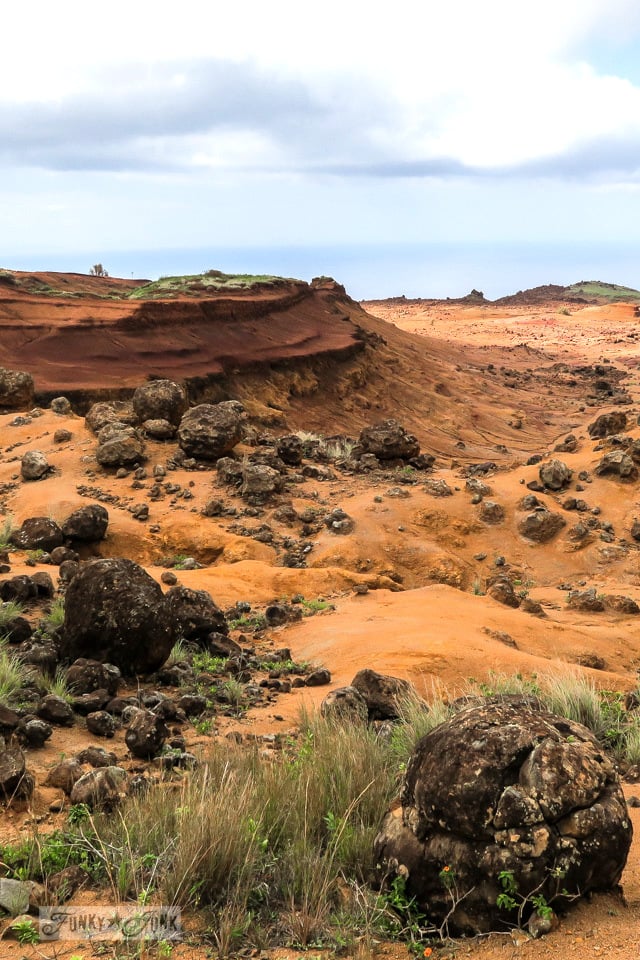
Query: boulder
(389, 441)
(502, 590)
(617, 463)
(56, 710)
(37, 533)
(541, 525)
(588, 601)
(116, 613)
(345, 704)
(61, 406)
(102, 788)
(101, 723)
(87, 524)
(16, 389)
(491, 512)
(159, 429)
(208, 431)
(100, 414)
(608, 424)
(64, 775)
(160, 400)
(146, 735)
(34, 465)
(382, 694)
(260, 483)
(504, 788)
(16, 783)
(195, 614)
(85, 676)
(123, 448)
(290, 449)
(554, 475)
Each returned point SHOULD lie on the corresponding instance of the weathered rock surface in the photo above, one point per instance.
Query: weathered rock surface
(382, 694)
(555, 475)
(617, 463)
(87, 524)
(541, 525)
(160, 400)
(196, 614)
(123, 447)
(209, 431)
(608, 424)
(504, 787)
(34, 465)
(38, 533)
(16, 783)
(389, 441)
(100, 414)
(16, 389)
(116, 613)
(345, 704)
(146, 734)
(101, 788)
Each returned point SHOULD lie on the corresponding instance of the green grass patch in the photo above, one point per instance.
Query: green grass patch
(196, 284)
(608, 291)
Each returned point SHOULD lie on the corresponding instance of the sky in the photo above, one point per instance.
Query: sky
(134, 132)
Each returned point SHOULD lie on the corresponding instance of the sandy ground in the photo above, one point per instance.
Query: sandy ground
(435, 626)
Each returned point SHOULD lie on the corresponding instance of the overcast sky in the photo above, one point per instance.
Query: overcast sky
(152, 125)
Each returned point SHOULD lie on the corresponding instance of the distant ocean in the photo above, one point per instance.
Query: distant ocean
(436, 270)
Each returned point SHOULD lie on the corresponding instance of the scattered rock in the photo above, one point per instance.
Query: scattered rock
(100, 789)
(607, 424)
(617, 463)
(87, 524)
(491, 512)
(34, 465)
(345, 704)
(146, 735)
(554, 475)
(195, 615)
(541, 525)
(37, 533)
(16, 783)
(389, 441)
(16, 389)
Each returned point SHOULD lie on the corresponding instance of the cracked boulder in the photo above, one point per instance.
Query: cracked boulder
(504, 786)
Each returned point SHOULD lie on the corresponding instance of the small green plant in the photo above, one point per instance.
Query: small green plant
(256, 622)
(6, 529)
(203, 727)
(55, 616)
(9, 611)
(204, 662)
(56, 685)
(13, 676)
(179, 653)
(78, 813)
(26, 932)
(315, 606)
(35, 556)
(476, 588)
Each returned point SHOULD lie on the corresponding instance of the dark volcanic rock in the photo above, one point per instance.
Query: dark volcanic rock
(608, 424)
(504, 787)
(85, 676)
(196, 614)
(123, 448)
(38, 533)
(146, 735)
(16, 389)
(117, 411)
(116, 613)
(260, 483)
(208, 431)
(87, 524)
(389, 441)
(541, 525)
(34, 465)
(382, 694)
(617, 463)
(290, 449)
(16, 783)
(160, 400)
(554, 475)
(346, 704)
(101, 788)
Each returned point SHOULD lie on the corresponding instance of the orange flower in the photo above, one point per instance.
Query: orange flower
(427, 951)
(446, 869)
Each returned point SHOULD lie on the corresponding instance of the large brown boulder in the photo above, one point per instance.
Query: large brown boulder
(160, 400)
(608, 424)
(116, 613)
(617, 463)
(16, 389)
(210, 430)
(504, 788)
(382, 694)
(115, 411)
(389, 441)
(554, 475)
(541, 525)
(122, 448)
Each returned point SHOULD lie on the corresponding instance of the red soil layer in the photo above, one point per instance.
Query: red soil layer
(84, 342)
